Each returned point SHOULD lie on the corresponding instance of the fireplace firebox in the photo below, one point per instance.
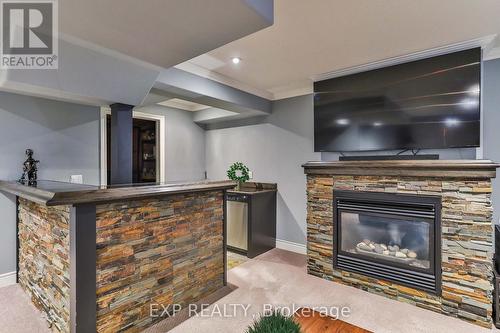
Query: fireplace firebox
(389, 236)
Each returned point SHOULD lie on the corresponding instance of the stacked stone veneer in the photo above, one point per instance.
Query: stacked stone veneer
(44, 260)
(161, 251)
(467, 236)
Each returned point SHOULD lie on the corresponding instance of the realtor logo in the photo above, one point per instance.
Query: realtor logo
(29, 34)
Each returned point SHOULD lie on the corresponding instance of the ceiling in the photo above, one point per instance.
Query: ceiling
(159, 32)
(312, 38)
(113, 51)
(183, 105)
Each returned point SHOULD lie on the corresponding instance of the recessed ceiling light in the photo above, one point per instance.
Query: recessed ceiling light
(236, 60)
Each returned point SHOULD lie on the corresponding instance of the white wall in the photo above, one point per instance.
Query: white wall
(274, 150)
(184, 146)
(64, 137)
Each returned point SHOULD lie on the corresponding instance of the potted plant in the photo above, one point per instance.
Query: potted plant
(238, 172)
(274, 323)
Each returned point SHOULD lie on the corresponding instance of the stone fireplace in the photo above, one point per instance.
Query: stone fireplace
(395, 237)
(420, 232)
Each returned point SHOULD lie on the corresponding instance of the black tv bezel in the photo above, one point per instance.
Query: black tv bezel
(480, 109)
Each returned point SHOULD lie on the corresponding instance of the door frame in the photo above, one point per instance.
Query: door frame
(160, 144)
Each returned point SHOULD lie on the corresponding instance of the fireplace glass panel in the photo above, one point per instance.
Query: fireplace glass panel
(393, 239)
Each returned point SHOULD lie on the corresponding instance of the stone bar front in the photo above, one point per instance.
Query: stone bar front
(464, 188)
(97, 259)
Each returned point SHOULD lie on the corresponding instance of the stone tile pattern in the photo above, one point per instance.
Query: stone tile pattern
(44, 260)
(167, 250)
(467, 236)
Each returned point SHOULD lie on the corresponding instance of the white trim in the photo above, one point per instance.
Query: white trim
(160, 147)
(195, 69)
(491, 54)
(291, 246)
(178, 103)
(109, 52)
(301, 91)
(482, 42)
(7, 279)
(102, 151)
(44, 92)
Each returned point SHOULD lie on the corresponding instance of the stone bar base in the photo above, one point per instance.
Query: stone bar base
(151, 253)
(44, 260)
(154, 253)
(467, 236)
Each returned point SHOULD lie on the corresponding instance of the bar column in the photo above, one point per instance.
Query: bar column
(121, 143)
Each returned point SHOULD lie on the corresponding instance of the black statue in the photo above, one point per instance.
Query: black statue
(30, 169)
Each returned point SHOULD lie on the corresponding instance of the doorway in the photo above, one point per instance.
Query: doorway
(148, 157)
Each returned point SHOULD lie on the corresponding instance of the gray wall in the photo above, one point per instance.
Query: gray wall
(274, 149)
(65, 138)
(184, 146)
(491, 131)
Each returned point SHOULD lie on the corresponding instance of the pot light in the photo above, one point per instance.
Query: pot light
(377, 124)
(236, 60)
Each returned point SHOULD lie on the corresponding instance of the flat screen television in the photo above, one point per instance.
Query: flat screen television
(429, 103)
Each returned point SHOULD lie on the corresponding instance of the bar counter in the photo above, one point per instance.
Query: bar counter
(95, 259)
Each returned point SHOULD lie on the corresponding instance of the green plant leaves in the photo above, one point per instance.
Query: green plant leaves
(274, 323)
(238, 172)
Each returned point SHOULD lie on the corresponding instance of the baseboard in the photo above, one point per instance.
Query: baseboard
(7, 279)
(291, 246)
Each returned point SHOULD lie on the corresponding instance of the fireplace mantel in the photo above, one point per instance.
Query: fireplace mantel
(470, 169)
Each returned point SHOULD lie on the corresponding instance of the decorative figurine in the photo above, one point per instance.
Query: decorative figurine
(30, 169)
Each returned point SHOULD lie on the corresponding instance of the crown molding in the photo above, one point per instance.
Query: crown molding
(177, 103)
(208, 74)
(270, 95)
(305, 89)
(109, 52)
(483, 42)
(492, 54)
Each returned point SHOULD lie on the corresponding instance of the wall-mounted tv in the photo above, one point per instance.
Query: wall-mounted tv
(429, 103)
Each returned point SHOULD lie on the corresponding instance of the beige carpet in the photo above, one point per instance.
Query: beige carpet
(235, 259)
(18, 314)
(280, 278)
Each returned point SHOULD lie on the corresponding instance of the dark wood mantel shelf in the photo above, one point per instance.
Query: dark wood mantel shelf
(473, 169)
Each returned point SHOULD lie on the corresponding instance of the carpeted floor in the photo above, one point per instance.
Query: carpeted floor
(277, 277)
(235, 259)
(18, 314)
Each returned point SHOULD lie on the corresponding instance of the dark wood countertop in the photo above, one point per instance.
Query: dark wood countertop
(471, 169)
(254, 188)
(53, 193)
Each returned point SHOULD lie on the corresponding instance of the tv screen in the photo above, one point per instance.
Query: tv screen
(430, 103)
